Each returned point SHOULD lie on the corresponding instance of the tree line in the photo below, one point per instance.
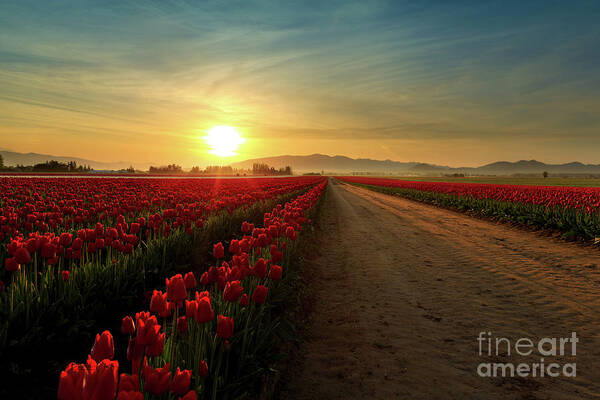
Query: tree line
(172, 169)
(48, 166)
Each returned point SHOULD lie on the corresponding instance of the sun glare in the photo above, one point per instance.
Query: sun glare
(223, 140)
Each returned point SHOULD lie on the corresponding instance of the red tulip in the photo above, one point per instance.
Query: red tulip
(182, 325)
(181, 381)
(234, 246)
(275, 272)
(191, 395)
(233, 291)
(77, 244)
(130, 395)
(176, 291)
(129, 383)
(128, 326)
(48, 250)
(218, 250)
(203, 369)
(244, 300)
(104, 347)
(157, 347)
(290, 233)
(156, 381)
(70, 385)
(260, 268)
(205, 311)
(224, 327)
(65, 239)
(22, 256)
(147, 329)
(190, 280)
(158, 302)
(101, 380)
(11, 264)
(65, 275)
(244, 245)
(260, 294)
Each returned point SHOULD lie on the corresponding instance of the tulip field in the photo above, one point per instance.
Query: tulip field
(175, 278)
(572, 210)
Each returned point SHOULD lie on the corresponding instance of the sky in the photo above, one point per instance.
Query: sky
(458, 83)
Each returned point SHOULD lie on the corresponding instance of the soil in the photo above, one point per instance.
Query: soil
(402, 291)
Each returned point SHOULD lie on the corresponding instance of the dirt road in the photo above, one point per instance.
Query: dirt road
(404, 289)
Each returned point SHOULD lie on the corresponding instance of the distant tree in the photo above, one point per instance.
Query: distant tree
(131, 170)
(545, 174)
(1, 161)
(169, 169)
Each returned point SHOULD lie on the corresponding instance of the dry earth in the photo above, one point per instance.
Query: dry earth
(403, 290)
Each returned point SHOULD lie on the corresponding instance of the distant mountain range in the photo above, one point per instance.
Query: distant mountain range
(342, 164)
(12, 158)
(339, 164)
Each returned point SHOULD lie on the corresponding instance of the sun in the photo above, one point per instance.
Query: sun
(223, 140)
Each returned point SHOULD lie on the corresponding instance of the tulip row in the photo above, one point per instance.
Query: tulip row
(47, 304)
(573, 210)
(199, 336)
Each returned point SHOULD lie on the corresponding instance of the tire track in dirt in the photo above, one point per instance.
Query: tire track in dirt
(403, 290)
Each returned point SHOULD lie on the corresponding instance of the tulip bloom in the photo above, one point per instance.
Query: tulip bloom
(275, 272)
(129, 383)
(191, 395)
(203, 369)
(156, 381)
(158, 302)
(190, 280)
(224, 327)
(233, 291)
(260, 294)
(11, 264)
(48, 250)
(147, 329)
(260, 268)
(176, 291)
(70, 384)
(182, 325)
(234, 246)
(22, 256)
(205, 312)
(181, 381)
(101, 380)
(104, 347)
(128, 326)
(77, 244)
(218, 250)
(244, 300)
(157, 347)
(130, 395)
(65, 275)
(191, 308)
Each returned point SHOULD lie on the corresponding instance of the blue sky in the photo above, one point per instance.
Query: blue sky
(455, 83)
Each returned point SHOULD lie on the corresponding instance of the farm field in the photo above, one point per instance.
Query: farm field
(506, 180)
(163, 287)
(81, 254)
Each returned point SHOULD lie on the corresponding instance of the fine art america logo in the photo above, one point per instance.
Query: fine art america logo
(548, 348)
